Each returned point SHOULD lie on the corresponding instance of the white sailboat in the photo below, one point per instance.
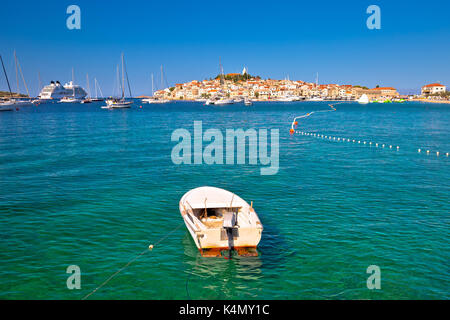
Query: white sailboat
(21, 101)
(88, 99)
(220, 99)
(154, 99)
(6, 105)
(364, 99)
(97, 85)
(220, 220)
(71, 99)
(121, 103)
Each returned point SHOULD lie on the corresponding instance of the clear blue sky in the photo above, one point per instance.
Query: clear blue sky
(274, 39)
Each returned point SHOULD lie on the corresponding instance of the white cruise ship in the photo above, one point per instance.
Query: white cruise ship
(57, 91)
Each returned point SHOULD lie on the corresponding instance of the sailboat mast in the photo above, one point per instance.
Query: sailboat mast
(123, 80)
(6, 76)
(17, 73)
(152, 85)
(21, 74)
(117, 81)
(73, 82)
(222, 77)
(95, 85)
(40, 82)
(89, 89)
(99, 89)
(162, 78)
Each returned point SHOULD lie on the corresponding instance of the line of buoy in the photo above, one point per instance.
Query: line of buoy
(322, 136)
(295, 124)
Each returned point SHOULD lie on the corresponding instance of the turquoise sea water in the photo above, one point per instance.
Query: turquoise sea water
(90, 187)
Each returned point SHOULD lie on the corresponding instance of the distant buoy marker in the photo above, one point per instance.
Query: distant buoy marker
(150, 247)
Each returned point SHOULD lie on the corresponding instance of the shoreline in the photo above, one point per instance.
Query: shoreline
(431, 101)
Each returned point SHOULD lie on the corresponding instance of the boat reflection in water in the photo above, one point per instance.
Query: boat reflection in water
(219, 278)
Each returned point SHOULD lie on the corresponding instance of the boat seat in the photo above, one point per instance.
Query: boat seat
(229, 219)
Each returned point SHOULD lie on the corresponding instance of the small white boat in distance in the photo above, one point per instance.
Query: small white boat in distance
(6, 106)
(224, 101)
(155, 100)
(117, 104)
(364, 99)
(220, 220)
(69, 100)
(315, 98)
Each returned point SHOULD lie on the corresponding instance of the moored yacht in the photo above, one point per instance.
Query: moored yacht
(7, 105)
(155, 100)
(115, 103)
(69, 99)
(223, 101)
(315, 98)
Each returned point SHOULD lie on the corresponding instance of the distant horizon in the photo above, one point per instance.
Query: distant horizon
(289, 39)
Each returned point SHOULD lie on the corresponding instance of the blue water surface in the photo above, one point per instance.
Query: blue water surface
(80, 185)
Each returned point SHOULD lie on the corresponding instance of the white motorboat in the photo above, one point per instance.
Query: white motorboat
(223, 101)
(69, 100)
(220, 220)
(248, 102)
(315, 99)
(155, 100)
(287, 99)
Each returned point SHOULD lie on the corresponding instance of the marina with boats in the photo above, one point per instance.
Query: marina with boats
(225, 89)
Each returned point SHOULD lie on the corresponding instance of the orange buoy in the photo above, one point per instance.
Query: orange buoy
(291, 131)
(295, 123)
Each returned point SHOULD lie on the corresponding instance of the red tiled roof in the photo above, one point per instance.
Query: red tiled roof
(384, 88)
(433, 85)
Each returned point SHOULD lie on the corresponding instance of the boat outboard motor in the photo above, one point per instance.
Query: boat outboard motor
(229, 222)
